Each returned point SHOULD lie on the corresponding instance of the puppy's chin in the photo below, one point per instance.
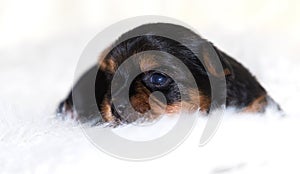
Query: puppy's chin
(136, 117)
(150, 115)
(132, 115)
(112, 117)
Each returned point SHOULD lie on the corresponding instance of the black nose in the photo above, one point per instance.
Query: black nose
(121, 108)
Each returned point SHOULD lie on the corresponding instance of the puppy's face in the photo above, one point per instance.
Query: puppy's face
(145, 82)
(148, 75)
(145, 85)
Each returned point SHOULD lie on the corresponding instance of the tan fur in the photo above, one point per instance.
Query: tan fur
(147, 63)
(107, 63)
(258, 105)
(140, 101)
(106, 111)
(211, 68)
(205, 101)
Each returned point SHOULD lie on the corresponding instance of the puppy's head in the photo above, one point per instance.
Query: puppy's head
(146, 73)
(145, 85)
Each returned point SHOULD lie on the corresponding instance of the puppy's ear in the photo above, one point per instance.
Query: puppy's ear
(211, 58)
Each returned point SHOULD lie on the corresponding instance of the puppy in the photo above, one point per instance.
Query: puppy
(92, 96)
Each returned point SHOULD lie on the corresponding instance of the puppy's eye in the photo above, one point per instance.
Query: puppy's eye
(158, 79)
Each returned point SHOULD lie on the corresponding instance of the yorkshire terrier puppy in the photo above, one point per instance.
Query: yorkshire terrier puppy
(93, 91)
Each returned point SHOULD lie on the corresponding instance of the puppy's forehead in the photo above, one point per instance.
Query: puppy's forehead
(151, 60)
(143, 62)
(147, 63)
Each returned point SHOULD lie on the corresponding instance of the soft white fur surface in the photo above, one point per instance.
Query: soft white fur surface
(36, 76)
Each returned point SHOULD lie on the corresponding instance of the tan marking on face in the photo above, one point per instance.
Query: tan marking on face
(180, 106)
(140, 101)
(174, 108)
(258, 105)
(143, 102)
(197, 96)
(106, 111)
(157, 107)
(148, 63)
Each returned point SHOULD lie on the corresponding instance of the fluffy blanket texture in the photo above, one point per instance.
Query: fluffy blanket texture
(36, 76)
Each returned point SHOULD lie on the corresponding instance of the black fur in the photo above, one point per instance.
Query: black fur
(242, 87)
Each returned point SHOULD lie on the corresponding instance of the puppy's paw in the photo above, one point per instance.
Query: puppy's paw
(66, 111)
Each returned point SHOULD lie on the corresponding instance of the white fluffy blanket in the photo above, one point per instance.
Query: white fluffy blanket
(36, 76)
